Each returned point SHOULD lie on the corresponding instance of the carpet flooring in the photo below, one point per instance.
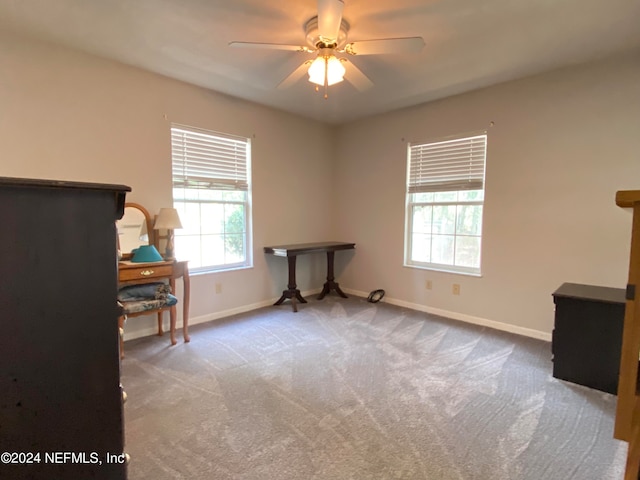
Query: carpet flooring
(346, 389)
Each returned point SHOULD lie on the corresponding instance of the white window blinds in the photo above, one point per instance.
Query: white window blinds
(203, 160)
(447, 165)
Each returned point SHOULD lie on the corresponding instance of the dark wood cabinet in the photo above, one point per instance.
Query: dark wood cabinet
(587, 335)
(60, 395)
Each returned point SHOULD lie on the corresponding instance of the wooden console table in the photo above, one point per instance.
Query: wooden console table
(292, 251)
(130, 273)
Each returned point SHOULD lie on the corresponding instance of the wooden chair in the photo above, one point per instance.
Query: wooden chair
(130, 309)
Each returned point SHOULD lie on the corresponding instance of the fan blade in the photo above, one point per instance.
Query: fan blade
(355, 76)
(329, 18)
(294, 76)
(271, 46)
(385, 45)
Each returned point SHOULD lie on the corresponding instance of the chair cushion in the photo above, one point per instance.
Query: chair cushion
(148, 296)
(147, 291)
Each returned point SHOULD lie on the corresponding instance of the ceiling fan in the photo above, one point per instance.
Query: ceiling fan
(326, 35)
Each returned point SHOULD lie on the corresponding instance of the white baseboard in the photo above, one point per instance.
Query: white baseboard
(149, 331)
(506, 327)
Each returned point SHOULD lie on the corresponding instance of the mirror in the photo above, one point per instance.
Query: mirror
(134, 229)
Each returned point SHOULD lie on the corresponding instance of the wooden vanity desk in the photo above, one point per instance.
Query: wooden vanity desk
(130, 273)
(134, 229)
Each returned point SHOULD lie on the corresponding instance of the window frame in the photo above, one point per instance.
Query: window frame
(217, 183)
(419, 182)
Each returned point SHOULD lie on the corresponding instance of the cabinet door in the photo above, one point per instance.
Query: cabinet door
(587, 341)
(59, 381)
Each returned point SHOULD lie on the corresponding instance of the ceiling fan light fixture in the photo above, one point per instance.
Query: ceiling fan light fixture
(326, 68)
(326, 34)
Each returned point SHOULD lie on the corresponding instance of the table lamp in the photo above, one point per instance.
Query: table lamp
(168, 220)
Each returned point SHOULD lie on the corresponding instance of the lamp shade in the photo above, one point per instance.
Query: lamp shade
(333, 66)
(146, 253)
(167, 219)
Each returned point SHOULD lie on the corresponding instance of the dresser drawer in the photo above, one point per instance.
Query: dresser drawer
(145, 272)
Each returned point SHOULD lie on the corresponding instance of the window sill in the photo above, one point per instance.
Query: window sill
(205, 271)
(444, 270)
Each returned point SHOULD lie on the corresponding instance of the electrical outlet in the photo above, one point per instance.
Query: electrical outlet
(218, 288)
(456, 289)
(428, 285)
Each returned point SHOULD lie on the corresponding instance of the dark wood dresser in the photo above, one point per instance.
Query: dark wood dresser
(61, 412)
(587, 335)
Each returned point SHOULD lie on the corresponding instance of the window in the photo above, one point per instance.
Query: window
(445, 198)
(212, 193)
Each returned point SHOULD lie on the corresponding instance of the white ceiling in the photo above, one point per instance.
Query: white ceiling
(469, 43)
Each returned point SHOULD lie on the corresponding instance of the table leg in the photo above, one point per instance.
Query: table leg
(172, 314)
(292, 291)
(330, 284)
(172, 324)
(160, 331)
(186, 283)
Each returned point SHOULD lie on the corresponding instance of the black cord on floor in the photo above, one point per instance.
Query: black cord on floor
(375, 296)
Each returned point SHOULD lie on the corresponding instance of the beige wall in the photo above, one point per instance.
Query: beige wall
(562, 144)
(70, 116)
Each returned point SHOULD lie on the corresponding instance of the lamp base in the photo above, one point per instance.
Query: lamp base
(168, 252)
(169, 255)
